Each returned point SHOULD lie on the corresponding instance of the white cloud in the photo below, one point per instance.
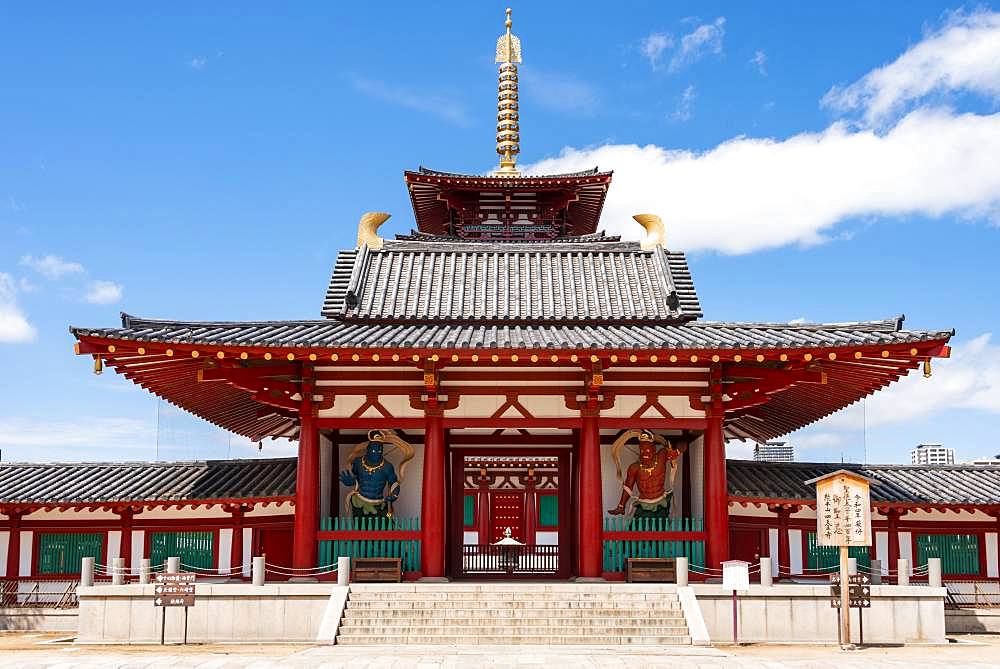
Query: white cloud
(759, 61)
(737, 449)
(970, 379)
(14, 325)
(37, 436)
(51, 266)
(418, 99)
(685, 105)
(963, 55)
(103, 292)
(652, 47)
(749, 194)
(560, 92)
(703, 40)
(198, 63)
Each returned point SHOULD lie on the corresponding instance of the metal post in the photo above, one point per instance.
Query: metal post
(934, 572)
(118, 571)
(185, 625)
(845, 600)
(681, 567)
(87, 572)
(902, 571)
(766, 577)
(876, 570)
(145, 568)
(173, 565)
(343, 570)
(163, 624)
(257, 571)
(735, 625)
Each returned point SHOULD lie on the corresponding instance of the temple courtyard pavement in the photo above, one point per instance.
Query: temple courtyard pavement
(29, 650)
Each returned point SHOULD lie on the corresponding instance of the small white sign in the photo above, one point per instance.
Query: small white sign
(735, 575)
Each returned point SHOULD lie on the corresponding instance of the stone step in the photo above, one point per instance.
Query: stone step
(631, 621)
(514, 606)
(510, 597)
(534, 639)
(423, 614)
(611, 628)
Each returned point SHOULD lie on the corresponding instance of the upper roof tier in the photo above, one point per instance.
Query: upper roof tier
(504, 208)
(449, 280)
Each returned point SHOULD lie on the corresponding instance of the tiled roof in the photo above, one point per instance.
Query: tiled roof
(525, 283)
(93, 482)
(891, 484)
(432, 333)
(435, 173)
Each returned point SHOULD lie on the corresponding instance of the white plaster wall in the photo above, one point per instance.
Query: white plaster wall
(70, 514)
(224, 556)
(992, 555)
(4, 544)
(546, 538)
(795, 550)
(737, 510)
(27, 545)
(697, 454)
(343, 407)
(408, 504)
(114, 542)
(326, 474)
(282, 509)
(906, 548)
(214, 511)
(772, 544)
(138, 547)
(882, 551)
(476, 406)
(470, 537)
(247, 550)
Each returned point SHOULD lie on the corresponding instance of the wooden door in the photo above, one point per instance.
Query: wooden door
(507, 510)
(748, 545)
(275, 544)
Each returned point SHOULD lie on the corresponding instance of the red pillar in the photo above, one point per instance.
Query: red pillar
(892, 518)
(483, 504)
(590, 508)
(433, 496)
(784, 550)
(236, 551)
(306, 483)
(14, 545)
(530, 508)
(716, 493)
(125, 544)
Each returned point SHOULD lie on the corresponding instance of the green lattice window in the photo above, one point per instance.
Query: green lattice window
(193, 548)
(548, 511)
(959, 553)
(63, 553)
(828, 557)
(470, 511)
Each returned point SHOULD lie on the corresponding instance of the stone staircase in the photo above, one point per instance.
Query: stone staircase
(563, 613)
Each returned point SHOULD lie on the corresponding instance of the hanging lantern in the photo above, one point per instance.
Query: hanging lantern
(927, 368)
(98, 365)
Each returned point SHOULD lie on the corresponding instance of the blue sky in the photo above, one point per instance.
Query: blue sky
(822, 163)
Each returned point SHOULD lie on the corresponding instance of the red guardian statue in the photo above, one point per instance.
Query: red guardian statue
(649, 481)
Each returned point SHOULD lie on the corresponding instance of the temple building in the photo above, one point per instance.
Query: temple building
(504, 369)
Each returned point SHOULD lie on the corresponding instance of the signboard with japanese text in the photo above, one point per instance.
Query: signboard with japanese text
(843, 510)
(174, 589)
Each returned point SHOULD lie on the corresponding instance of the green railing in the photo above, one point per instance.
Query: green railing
(650, 537)
(370, 537)
(826, 558)
(959, 553)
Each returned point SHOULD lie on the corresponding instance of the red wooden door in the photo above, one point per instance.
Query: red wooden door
(507, 510)
(747, 545)
(275, 544)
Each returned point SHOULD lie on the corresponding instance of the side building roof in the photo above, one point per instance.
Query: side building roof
(96, 483)
(903, 485)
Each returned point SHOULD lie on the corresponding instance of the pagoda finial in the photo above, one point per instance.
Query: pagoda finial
(508, 128)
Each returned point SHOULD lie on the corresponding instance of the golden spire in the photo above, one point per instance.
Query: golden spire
(508, 129)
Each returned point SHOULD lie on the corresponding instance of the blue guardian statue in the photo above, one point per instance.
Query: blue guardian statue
(375, 480)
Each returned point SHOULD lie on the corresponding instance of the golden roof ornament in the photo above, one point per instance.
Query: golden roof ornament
(508, 128)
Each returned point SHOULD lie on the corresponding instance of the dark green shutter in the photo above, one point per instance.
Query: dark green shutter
(470, 510)
(828, 557)
(64, 553)
(959, 553)
(548, 511)
(193, 548)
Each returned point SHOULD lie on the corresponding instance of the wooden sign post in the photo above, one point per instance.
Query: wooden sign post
(843, 519)
(173, 589)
